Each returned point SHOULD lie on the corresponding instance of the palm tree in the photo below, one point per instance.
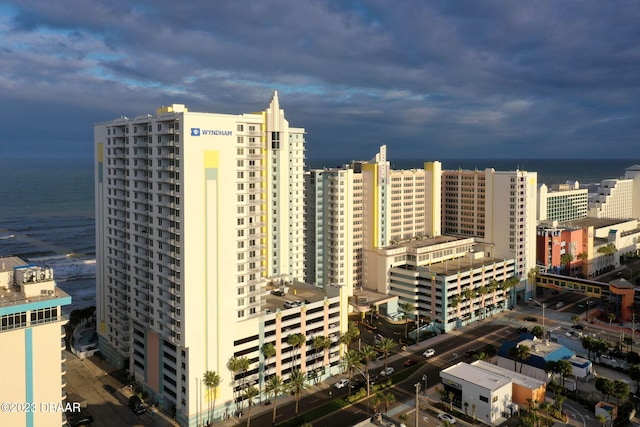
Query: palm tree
(368, 353)
(389, 399)
(249, 394)
(274, 388)
(326, 345)
(295, 341)
(493, 287)
(508, 286)
(351, 361)
(372, 310)
(268, 351)
(469, 294)
(234, 366)
(455, 303)
(406, 308)
(297, 385)
(608, 251)
(318, 346)
(575, 319)
(520, 353)
(566, 259)
(385, 346)
(482, 291)
(564, 368)
(211, 380)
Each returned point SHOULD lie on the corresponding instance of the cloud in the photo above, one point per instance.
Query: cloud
(543, 79)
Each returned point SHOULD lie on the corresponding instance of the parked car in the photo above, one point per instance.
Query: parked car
(278, 293)
(530, 319)
(342, 383)
(77, 419)
(357, 385)
(429, 352)
(409, 362)
(523, 330)
(136, 405)
(578, 327)
(291, 304)
(388, 371)
(446, 417)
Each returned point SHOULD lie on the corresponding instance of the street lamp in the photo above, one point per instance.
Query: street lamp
(367, 379)
(543, 305)
(417, 386)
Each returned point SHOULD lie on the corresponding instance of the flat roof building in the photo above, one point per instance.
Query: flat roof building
(32, 338)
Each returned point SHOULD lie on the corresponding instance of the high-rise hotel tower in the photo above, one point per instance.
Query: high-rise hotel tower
(195, 213)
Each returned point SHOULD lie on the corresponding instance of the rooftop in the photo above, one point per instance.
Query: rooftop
(518, 378)
(478, 376)
(299, 292)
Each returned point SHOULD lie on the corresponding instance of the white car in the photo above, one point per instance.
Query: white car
(386, 372)
(446, 417)
(341, 383)
(429, 352)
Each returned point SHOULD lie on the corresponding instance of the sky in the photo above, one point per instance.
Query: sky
(430, 79)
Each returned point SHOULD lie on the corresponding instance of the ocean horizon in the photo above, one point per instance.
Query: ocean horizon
(48, 206)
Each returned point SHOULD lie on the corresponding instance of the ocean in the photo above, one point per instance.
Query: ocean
(47, 214)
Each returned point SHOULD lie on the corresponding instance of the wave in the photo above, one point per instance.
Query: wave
(67, 267)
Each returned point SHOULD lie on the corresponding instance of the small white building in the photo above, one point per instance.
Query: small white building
(471, 385)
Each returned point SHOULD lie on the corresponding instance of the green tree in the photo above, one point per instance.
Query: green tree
(608, 251)
(564, 368)
(634, 374)
(532, 274)
(237, 365)
(566, 259)
(482, 292)
(490, 350)
(275, 387)
(268, 351)
(537, 331)
(469, 295)
(319, 344)
(368, 353)
(212, 381)
(406, 308)
(295, 341)
(587, 344)
(249, 394)
(373, 309)
(575, 319)
(385, 346)
(604, 386)
(351, 361)
(389, 399)
(620, 390)
(296, 386)
(520, 353)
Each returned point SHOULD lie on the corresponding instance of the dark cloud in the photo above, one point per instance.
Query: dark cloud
(429, 79)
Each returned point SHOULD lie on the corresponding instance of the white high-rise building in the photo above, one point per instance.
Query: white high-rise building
(195, 214)
(498, 208)
(613, 199)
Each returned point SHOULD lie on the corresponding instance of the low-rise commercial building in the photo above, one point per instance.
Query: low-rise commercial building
(472, 386)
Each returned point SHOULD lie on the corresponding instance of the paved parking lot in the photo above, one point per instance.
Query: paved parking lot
(89, 381)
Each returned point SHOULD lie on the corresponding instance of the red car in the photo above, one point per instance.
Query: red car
(409, 362)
